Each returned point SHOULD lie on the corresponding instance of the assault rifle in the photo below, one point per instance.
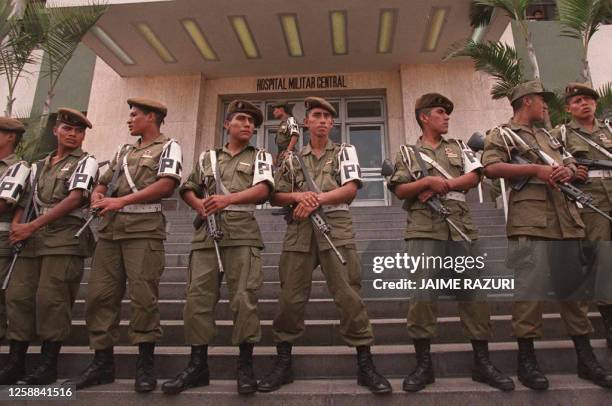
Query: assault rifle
(212, 229)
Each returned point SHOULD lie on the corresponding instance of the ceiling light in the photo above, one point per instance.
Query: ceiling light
(291, 31)
(241, 28)
(155, 43)
(437, 18)
(386, 30)
(199, 40)
(338, 32)
(112, 45)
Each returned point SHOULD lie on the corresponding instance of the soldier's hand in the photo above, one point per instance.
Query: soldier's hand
(20, 232)
(561, 174)
(216, 203)
(425, 195)
(108, 204)
(438, 185)
(200, 209)
(95, 197)
(302, 211)
(582, 174)
(310, 199)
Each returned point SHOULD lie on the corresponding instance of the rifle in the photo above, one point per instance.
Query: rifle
(110, 189)
(594, 163)
(434, 203)
(317, 217)
(28, 215)
(212, 228)
(571, 191)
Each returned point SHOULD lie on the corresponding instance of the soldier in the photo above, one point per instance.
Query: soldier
(130, 246)
(589, 138)
(540, 219)
(452, 169)
(288, 131)
(48, 272)
(334, 169)
(242, 177)
(11, 131)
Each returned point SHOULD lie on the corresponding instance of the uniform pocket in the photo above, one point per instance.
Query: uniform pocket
(255, 278)
(420, 219)
(341, 224)
(528, 207)
(154, 260)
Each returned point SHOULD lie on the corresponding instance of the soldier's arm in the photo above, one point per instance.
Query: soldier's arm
(253, 195)
(465, 182)
(163, 187)
(4, 206)
(344, 194)
(20, 232)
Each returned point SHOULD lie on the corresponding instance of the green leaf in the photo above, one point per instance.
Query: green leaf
(582, 18)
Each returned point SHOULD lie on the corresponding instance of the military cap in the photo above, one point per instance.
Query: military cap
(312, 102)
(430, 100)
(72, 117)
(148, 104)
(526, 88)
(575, 89)
(284, 104)
(12, 125)
(243, 106)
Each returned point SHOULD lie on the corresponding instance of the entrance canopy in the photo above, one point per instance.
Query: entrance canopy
(272, 37)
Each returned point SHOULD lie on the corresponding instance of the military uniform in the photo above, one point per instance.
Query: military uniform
(544, 229)
(304, 248)
(287, 129)
(130, 248)
(48, 272)
(241, 247)
(599, 185)
(428, 234)
(5, 248)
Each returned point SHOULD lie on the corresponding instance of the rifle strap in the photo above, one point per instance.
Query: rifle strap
(219, 186)
(307, 177)
(592, 144)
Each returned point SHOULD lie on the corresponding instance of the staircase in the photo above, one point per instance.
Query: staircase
(324, 366)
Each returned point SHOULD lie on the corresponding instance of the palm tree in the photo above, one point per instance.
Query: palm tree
(64, 28)
(481, 14)
(581, 19)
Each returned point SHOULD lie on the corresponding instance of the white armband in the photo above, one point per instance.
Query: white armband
(470, 161)
(84, 175)
(14, 182)
(292, 127)
(349, 164)
(263, 168)
(171, 160)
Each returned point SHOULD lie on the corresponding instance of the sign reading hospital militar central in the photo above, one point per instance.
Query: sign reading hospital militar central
(301, 82)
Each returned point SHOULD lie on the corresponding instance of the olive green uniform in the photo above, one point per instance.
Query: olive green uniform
(288, 128)
(240, 251)
(47, 275)
(304, 248)
(597, 228)
(130, 247)
(5, 247)
(428, 233)
(538, 218)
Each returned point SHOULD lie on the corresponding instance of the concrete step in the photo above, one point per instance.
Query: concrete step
(565, 390)
(326, 332)
(320, 309)
(450, 360)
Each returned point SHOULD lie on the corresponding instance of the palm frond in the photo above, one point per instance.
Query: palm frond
(497, 59)
(64, 29)
(515, 9)
(604, 104)
(582, 18)
(556, 109)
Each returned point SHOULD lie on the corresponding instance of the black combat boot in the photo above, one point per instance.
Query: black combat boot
(529, 373)
(484, 371)
(367, 375)
(282, 373)
(588, 366)
(246, 378)
(606, 317)
(196, 373)
(100, 371)
(46, 373)
(145, 380)
(423, 373)
(14, 369)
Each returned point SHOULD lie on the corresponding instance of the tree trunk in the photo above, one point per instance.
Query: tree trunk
(10, 100)
(531, 54)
